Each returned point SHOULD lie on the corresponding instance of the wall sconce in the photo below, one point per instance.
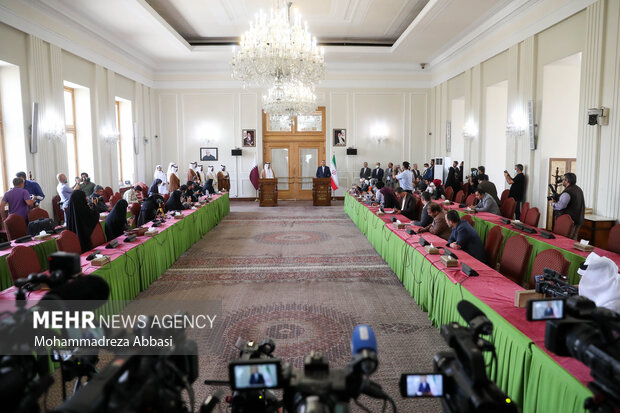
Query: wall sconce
(517, 124)
(208, 133)
(470, 130)
(53, 130)
(379, 133)
(109, 134)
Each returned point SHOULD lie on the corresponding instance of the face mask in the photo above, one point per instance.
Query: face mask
(377, 166)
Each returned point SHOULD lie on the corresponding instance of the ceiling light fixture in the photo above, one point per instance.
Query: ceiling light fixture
(289, 99)
(278, 49)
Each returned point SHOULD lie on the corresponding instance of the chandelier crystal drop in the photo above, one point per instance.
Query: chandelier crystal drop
(289, 100)
(277, 47)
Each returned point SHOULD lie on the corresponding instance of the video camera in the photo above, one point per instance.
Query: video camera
(555, 197)
(460, 376)
(590, 334)
(140, 383)
(315, 388)
(24, 375)
(554, 284)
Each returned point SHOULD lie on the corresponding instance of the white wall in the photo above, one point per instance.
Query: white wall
(191, 119)
(457, 114)
(12, 122)
(496, 109)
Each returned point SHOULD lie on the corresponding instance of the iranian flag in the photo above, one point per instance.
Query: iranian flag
(254, 173)
(334, 173)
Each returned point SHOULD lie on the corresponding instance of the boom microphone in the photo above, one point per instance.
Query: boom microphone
(474, 317)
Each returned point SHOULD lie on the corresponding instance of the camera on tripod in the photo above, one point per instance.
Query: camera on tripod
(553, 284)
(460, 377)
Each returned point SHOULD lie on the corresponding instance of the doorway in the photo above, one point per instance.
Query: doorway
(295, 149)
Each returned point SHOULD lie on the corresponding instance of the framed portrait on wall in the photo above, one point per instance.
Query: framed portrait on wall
(208, 154)
(340, 137)
(248, 137)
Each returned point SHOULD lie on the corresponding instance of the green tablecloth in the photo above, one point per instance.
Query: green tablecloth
(532, 379)
(483, 227)
(135, 270)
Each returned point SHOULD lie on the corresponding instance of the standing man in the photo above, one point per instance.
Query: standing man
(191, 172)
(377, 173)
(517, 187)
(18, 200)
(389, 171)
(365, 173)
(406, 203)
(405, 178)
(160, 174)
(428, 173)
(488, 187)
(85, 184)
(173, 177)
(417, 176)
(571, 202)
(323, 171)
(452, 176)
(64, 191)
(267, 172)
(33, 188)
(223, 179)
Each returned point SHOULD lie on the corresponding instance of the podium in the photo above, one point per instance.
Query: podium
(321, 191)
(268, 192)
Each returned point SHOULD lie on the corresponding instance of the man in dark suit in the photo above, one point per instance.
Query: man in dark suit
(406, 203)
(377, 173)
(425, 218)
(323, 171)
(389, 180)
(365, 172)
(464, 237)
(255, 377)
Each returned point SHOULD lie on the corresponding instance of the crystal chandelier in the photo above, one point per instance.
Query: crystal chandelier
(289, 99)
(278, 49)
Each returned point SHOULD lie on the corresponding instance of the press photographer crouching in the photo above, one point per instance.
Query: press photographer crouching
(25, 369)
(460, 377)
(577, 327)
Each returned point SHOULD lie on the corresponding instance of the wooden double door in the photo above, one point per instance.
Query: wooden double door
(295, 150)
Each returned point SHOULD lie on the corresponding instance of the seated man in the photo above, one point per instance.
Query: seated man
(133, 195)
(96, 199)
(189, 192)
(486, 203)
(18, 200)
(488, 187)
(385, 196)
(439, 226)
(425, 218)
(33, 188)
(464, 237)
(406, 203)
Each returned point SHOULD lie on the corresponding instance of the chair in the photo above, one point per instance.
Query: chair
(166, 197)
(69, 242)
(532, 217)
(504, 196)
(469, 219)
(3, 235)
(465, 188)
(37, 213)
(458, 198)
(524, 209)
(449, 193)
(22, 261)
(495, 238)
(515, 258)
(508, 208)
(418, 209)
(109, 191)
(471, 199)
(563, 225)
(613, 242)
(552, 259)
(97, 237)
(59, 215)
(15, 227)
(114, 199)
(135, 209)
(106, 194)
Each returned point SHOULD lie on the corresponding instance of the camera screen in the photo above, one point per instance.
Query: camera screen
(422, 385)
(545, 309)
(256, 376)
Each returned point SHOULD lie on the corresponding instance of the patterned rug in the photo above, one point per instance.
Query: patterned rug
(303, 276)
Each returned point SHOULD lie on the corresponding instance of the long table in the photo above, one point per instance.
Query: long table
(484, 221)
(135, 265)
(534, 378)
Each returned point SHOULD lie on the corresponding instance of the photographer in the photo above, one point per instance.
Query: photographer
(571, 202)
(517, 188)
(84, 184)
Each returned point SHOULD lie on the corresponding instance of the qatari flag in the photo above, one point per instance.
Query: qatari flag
(254, 174)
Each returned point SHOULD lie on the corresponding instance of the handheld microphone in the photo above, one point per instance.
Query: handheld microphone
(475, 318)
(364, 349)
